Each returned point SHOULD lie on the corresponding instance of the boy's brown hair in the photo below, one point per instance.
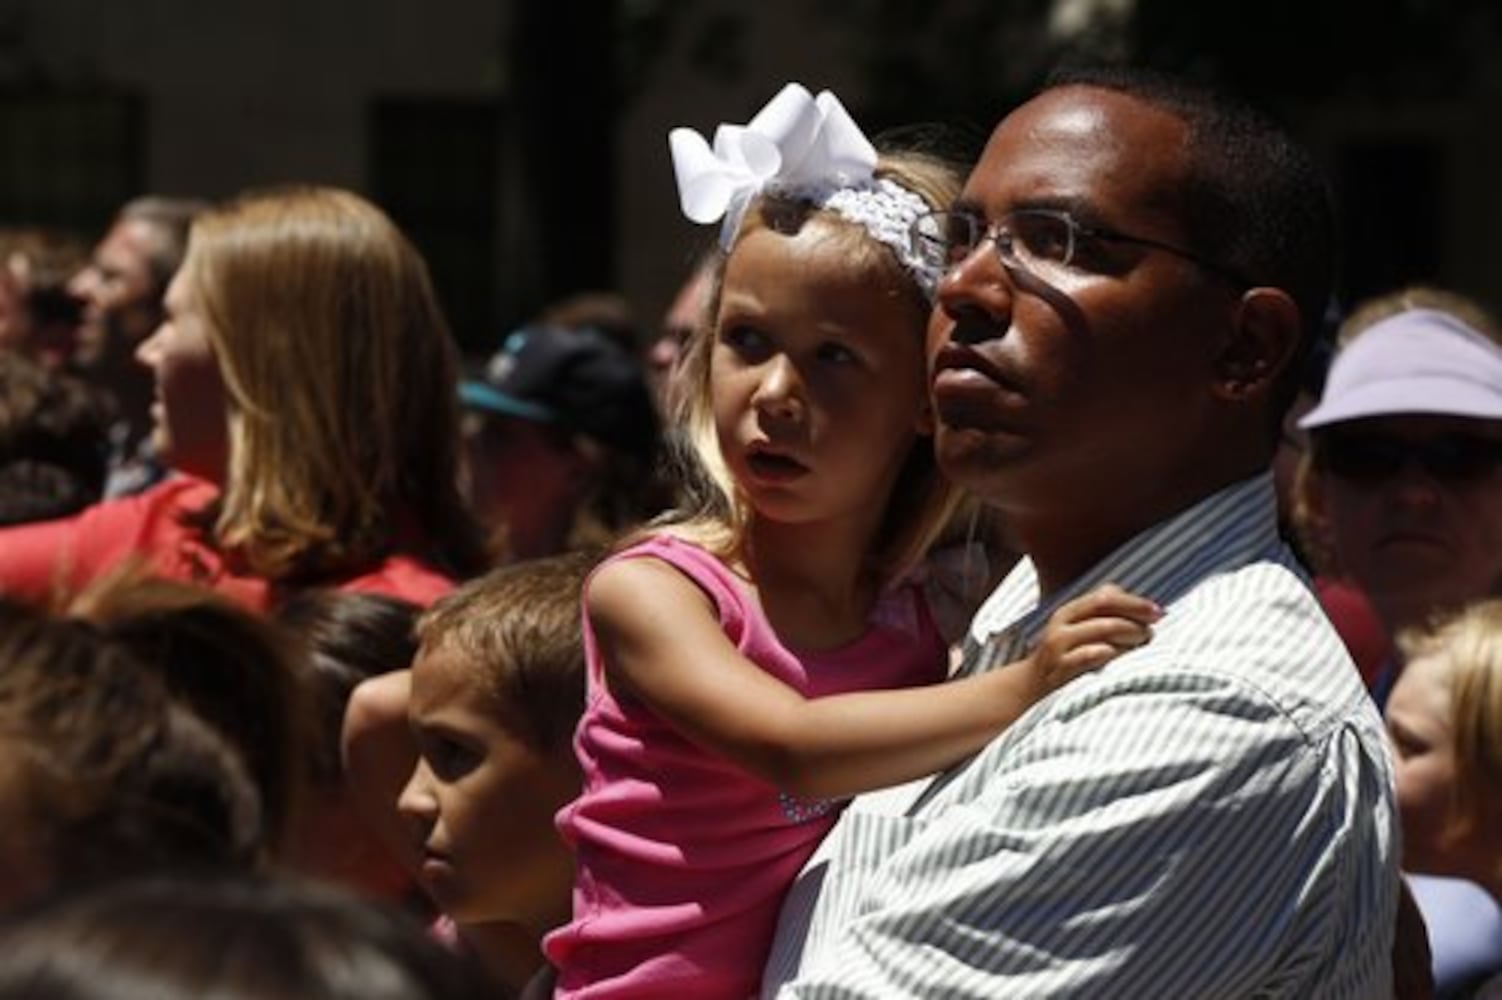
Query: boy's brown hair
(520, 628)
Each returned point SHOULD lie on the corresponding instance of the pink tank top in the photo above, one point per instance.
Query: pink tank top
(683, 858)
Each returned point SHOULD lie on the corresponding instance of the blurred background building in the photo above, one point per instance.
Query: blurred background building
(522, 142)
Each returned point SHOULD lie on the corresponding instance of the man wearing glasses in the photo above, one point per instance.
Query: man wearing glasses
(1133, 271)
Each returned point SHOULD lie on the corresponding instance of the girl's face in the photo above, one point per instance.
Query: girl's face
(817, 377)
(189, 419)
(481, 803)
(1423, 744)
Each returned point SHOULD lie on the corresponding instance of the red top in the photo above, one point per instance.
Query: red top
(1358, 625)
(152, 526)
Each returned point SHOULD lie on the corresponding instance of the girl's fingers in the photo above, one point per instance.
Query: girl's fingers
(1083, 659)
(1119, 633)
(1108, 601)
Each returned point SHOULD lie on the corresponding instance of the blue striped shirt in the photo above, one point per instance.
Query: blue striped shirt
(1210, 815)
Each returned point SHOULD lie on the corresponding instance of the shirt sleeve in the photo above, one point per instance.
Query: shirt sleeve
(35, 559)
(41, 559)
(1163, 835)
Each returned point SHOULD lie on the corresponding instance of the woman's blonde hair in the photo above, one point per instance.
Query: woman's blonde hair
(716, 514)
(1373, 311)
(343, 417)
(1471, 643)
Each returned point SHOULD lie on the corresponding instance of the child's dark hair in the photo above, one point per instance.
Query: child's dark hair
(520, 626)
(234, 670)
(345, 638)
(107, 778)
(54, 442)
(231, 937)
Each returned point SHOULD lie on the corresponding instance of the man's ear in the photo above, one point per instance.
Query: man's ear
(1262, 342)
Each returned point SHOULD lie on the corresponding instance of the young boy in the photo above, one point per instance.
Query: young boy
(496, 691)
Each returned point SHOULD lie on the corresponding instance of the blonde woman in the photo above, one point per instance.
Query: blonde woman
(305, 387)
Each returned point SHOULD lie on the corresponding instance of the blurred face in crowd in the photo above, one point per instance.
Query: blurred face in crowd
(14, 324)
(189, 409)
(481, 801)
(1413, 506)
(1423, 743)
(683, 315)
(119, 292)
(1421, 728)
(522, 480)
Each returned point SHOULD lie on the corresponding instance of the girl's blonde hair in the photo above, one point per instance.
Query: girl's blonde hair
(342, 378)
(715, 514)
(1471, 643)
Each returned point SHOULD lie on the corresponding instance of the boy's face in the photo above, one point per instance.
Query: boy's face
(481, 801)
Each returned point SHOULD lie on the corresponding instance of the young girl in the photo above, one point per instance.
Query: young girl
(1445, 723)
(713, 761)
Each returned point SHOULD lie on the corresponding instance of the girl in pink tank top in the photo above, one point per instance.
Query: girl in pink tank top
(762, 658)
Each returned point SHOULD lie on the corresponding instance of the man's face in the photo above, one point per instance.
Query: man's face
(685, 313)
(1414, 508)
(1086, 391)
(122, 303)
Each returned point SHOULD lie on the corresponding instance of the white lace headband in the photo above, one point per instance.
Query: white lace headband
(805, 148)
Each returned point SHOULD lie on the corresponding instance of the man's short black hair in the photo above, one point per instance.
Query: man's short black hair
(1256, 202)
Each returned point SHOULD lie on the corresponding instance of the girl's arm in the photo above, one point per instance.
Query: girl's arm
(662, 642)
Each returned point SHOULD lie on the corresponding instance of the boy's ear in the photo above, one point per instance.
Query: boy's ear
(1264, 337)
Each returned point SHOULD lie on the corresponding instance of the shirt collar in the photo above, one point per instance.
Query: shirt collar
(1226, 529)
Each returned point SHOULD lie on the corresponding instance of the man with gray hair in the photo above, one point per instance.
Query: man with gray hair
(122, 288)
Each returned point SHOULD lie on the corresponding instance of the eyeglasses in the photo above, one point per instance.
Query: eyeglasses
(1371, 459)
(1049, 244)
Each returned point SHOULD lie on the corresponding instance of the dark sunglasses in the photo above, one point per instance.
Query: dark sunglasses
(1375, 458)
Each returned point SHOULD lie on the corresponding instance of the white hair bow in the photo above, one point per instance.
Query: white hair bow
(796, 143)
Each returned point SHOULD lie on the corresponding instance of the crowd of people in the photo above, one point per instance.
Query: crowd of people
(918, 613)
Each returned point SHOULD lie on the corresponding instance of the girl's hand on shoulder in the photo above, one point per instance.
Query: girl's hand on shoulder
(1088, 632)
